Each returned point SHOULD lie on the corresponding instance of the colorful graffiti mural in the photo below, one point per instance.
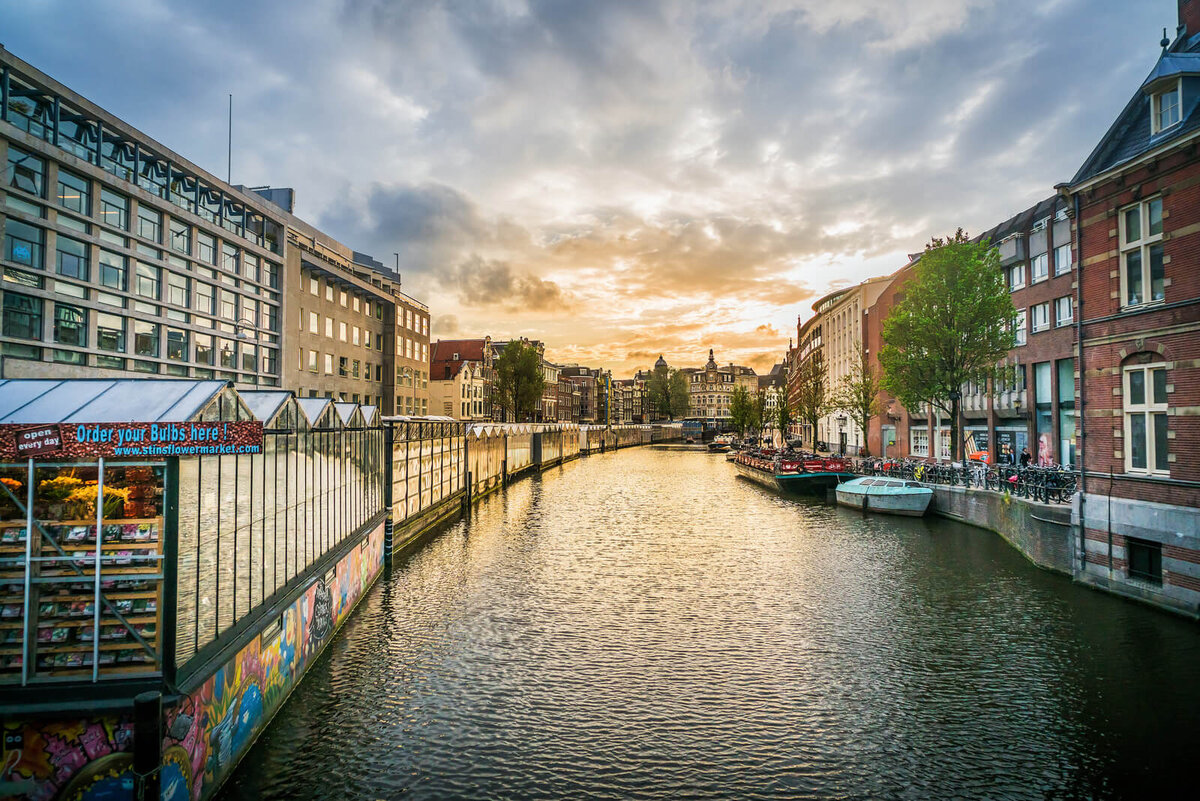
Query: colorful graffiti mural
(211, 728)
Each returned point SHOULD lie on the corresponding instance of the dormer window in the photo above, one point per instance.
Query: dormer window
(1166, 108)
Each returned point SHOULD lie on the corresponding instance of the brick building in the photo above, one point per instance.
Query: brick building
(1136, 201)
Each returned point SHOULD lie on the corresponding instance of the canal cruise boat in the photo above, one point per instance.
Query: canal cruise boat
(787, 471)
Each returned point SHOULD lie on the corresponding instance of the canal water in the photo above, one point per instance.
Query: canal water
(645, 624)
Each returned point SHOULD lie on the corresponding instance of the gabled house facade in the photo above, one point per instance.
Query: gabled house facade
(1136, 203)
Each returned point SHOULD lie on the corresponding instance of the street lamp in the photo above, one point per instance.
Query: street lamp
(240, 328)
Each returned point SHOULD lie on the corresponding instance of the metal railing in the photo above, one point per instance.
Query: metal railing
(1053, 484)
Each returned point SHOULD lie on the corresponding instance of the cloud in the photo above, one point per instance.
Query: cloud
(670, 174)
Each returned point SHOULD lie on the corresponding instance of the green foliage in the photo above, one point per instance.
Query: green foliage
(783, 411)
(951, 327)
(739, 409)
(812, 397)
(859, 396)
(667, 392)
(519, 380)
(758, 404)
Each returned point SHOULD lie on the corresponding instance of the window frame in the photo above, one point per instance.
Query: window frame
(1042, 259)
(1156, 108)
(1148, 410)
(1142, 246)
(1039, 310)
(1059, 320)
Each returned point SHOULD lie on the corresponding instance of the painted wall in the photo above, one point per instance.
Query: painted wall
(211, 729)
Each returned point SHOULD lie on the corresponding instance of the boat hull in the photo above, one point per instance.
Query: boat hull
(909, 504)
(798, 483)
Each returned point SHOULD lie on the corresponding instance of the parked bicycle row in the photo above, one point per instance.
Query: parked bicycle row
(1053, 484)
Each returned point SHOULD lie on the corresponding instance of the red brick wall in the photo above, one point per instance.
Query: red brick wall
(1168, 332)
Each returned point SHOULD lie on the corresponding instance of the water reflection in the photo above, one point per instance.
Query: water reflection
(644, 624)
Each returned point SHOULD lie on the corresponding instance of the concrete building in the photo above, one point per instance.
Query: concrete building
(1137, 211)
(122, 258)
(446, 358)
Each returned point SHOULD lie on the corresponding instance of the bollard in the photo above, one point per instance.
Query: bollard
(147, 745)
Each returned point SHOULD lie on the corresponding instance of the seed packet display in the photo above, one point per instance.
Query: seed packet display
(124, 605)
(44, 610)
(78, 534)
(11, 635)
(12, 536)
(112, 532)
(86, 633)
(145, 533)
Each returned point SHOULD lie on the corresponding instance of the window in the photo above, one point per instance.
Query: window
(1166, 109)
(23, 243)
(229, 258)
(181, 237)
(356, 303)
(204, 348)
(147, 281)
(177, 289)
(1041, 317)
(145, 338)
(1063, 312)
(249, 267)
(270, 317)
(112, 270)
(342, 361)
(22, 316)
(1146, 449)
(312, 361)
(328, 291)
(25, 171)
(342, 331)
(329, 327)
(114, 209)
(1145, 559)
(228, 304)
(313, 323)
(355, 368)
(314, 286)
(206, 248)
(249, 357)
(177, 344)
(1142, 274)
(1040, 268)
(354, 335)
(342, 297)
(249, 311)
(1063, 260)
(205, 298)
(270, 359)
(74, 192)
(1016, 276)
(1019, 328)
(110, 332)
(328, 364)
(149, 223)
(228, 354)
(72, 258)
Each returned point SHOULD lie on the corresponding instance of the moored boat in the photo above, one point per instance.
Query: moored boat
(888, 495)
(789, 472)
(721, 443)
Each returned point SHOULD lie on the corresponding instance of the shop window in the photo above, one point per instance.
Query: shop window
(1146, 440)
(919, 442)
(1142, 267)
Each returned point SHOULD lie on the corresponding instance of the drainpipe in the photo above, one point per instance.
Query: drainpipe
(1081, 427)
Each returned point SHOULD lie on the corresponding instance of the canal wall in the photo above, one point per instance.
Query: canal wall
(1042, 532)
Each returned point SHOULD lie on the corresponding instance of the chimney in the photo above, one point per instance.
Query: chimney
(1189, 17)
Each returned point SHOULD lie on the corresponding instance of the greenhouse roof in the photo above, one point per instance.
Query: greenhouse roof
(96, 400)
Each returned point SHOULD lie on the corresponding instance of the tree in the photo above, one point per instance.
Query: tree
(739, 409)
(519, 379)
(667, 392)
(783, 412)
(859, 395)
(953, 324)
(758, 406)
(812, 396)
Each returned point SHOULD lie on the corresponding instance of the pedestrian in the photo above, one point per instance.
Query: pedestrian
(1026, 457)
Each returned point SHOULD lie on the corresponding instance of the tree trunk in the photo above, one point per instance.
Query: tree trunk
(955, 445)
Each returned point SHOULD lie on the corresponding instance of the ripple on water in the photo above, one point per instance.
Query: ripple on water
(646, 625)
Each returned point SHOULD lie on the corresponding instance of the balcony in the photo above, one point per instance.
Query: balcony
(1013, 249)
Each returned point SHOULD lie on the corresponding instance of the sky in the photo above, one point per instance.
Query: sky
(625, 178)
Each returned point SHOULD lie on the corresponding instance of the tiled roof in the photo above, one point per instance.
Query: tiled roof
(1129, 136)
(467, 349)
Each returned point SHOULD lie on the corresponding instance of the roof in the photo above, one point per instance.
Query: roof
(1021, 221)
(319, 411)
(121, 400)
(349, 414)
(1130, 134)
(467, 350)
(263, 404)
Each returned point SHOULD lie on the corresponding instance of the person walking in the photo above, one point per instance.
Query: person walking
(1026, 457)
